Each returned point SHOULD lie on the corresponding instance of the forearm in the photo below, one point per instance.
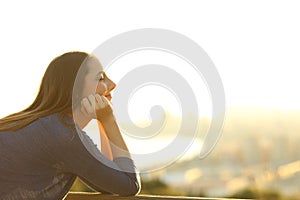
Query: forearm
(111, 128)
(105, 146)
(117, 143)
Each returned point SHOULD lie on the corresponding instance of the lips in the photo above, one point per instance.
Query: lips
(108, 96)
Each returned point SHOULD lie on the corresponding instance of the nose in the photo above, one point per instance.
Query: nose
(110, 84)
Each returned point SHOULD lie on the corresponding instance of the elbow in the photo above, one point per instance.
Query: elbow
(134, 189)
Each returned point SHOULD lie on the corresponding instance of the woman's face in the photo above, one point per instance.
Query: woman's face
(96, 81)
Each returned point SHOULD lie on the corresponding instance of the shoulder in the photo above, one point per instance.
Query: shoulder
(57, 119)
(57, 126)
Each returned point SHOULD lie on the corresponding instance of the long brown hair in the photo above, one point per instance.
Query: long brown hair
(55, 93)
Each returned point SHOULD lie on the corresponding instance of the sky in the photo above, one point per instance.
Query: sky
(254, 45)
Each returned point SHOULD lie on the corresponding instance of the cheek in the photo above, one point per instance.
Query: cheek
(89, 88)
(101, 88)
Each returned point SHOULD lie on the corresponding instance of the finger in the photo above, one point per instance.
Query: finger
(101, 100)
(83, 110)
(98, 98)
(87, 105)
(92, 100)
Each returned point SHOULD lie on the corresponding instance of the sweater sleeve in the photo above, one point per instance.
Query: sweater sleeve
(80, 156)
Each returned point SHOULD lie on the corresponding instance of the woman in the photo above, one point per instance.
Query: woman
(43, 148)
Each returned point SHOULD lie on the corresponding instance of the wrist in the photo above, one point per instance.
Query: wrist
(105, 114)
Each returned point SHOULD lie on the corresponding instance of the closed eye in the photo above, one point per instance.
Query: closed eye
(101, 78)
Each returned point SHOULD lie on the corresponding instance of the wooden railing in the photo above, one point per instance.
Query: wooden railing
(97, 196)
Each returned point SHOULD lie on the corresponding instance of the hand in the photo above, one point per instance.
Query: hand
(97, 107)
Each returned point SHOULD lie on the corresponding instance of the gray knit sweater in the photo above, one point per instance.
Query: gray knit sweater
(42, 160)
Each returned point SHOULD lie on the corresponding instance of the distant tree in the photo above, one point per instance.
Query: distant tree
(261, 194)
(158, 187)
